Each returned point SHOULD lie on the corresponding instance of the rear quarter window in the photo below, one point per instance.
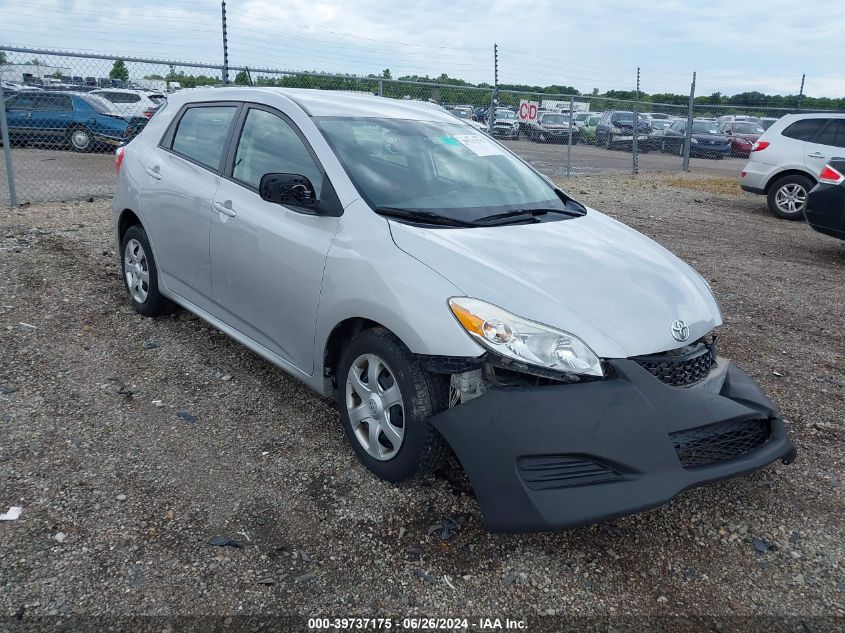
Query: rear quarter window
(804, 130)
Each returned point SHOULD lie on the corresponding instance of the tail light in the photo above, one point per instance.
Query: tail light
(119, 153)
(759, 146)
(149, 113)
(743, 174)
(831, 176)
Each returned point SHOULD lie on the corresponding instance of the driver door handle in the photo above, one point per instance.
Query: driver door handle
(816, 155)
(225, 208)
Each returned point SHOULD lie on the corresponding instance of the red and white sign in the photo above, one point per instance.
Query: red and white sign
(527, 112)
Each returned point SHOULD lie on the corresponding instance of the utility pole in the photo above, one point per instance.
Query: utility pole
(225, 48)
(635, 166)
(491, 113)
(688, 134)
(801, 92)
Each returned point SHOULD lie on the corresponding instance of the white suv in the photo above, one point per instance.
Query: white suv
(785, 161)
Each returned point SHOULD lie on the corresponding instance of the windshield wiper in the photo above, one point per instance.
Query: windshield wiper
(425, 217)
(528, 213)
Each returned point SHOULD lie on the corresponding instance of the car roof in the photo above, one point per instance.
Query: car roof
(322, 103)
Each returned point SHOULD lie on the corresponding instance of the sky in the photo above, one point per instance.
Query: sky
(733, 45)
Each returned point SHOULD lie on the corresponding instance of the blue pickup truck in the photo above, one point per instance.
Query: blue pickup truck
(81, 121)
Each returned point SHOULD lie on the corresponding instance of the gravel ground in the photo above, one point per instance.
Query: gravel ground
(131, 442)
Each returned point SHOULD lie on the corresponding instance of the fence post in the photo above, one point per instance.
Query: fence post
(688, 134)
(380, 88)
(491, 113)
(569, 142)
(634, 165)
(7, 148)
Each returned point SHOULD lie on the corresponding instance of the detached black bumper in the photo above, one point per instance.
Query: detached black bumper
(825, 210)
(560, 456)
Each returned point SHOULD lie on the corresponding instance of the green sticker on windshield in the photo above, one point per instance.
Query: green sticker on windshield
(449, 140)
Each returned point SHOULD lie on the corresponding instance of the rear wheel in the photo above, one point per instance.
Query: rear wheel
(80, 140)
(787, 197)
(140, 274)
(385, 399)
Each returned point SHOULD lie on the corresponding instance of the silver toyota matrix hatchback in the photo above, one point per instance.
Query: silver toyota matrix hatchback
(449, 297)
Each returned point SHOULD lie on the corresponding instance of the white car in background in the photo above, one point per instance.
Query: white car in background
(132, 102)
(785, 162)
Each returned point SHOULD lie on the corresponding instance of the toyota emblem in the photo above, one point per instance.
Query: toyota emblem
(680, 330)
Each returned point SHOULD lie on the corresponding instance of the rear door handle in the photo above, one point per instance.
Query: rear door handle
(154, 172)
(816, 155)
(225, 208)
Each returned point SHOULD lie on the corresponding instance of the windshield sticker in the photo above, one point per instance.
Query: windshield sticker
(449, 140)
(479, 145)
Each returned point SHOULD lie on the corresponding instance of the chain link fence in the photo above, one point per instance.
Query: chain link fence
(65, 112)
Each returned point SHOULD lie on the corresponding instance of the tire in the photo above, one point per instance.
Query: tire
(421, 449)
(789, 192)
(140, 274)
(80, 139)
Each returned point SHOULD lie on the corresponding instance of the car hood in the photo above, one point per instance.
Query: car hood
(591, 276)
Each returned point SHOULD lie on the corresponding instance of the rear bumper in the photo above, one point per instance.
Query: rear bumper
(825, 210)
(560, 456)
(750, 189)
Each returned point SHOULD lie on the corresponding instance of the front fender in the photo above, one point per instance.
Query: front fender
(368, 276)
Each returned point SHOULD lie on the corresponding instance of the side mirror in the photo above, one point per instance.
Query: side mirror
(293, 189)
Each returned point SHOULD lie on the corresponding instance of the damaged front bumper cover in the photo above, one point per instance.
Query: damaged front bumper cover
(561, 456)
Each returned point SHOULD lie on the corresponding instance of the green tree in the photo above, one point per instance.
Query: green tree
(242, 78)
(2, 57)
(119, 71)
(385, 74)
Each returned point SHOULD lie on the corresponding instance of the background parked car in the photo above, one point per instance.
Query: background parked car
(587, 133)
(80, 120)
(825, 210)
(552, 127)
(743, 134)
(766, 122)
(466, 116)
(506, 124)
(658, 129)
(786, 160)
(616, 127)
(706, 139)
(132, 102)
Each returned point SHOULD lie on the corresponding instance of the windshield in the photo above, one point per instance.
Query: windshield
(622, 117)
(555, 119)
(505, 114)
(704, 127)
(593, 121)
(433, 166)
(748, 128)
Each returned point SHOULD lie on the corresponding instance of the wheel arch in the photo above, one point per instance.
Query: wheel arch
(337, 339)
(127, 218)
(788, 172)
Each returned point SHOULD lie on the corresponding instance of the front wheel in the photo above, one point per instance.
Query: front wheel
(787, 197)
(385, 399)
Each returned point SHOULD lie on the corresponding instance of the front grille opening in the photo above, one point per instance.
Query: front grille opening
(682, 367)
(544, 472)
(719, 442)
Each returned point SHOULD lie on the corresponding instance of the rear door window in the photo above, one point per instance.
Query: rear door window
(804, 130)
(832, 134)
(202, 132)
(52, 103)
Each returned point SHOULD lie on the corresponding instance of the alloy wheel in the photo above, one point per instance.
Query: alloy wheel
(136, 270)
(375, 408)
(791, 198)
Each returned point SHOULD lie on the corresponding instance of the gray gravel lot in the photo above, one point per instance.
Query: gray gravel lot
(135, 441)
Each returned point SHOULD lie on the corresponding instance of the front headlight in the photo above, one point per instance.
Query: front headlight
(694, 141)
(522, 340)
(615, 129)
